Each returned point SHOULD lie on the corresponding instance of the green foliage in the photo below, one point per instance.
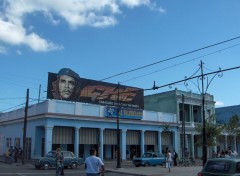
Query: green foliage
(213, 131)
(232, 126)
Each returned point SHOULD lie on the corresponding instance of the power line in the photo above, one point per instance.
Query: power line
(181, 63)
(14, 107)
(171, 58)
(12, 98)
(189, 78)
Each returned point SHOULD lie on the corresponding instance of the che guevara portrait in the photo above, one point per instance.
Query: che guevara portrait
(67, 85)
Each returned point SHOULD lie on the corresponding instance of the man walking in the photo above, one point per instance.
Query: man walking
(94, 164)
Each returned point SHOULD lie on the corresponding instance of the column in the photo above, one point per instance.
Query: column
(176, 141)
(192, 146)
(235, 142)
(76, 142)
(101, 141)
(160, 141)
(123, 144)
(226, 143)
(48, 138)
(142, 142)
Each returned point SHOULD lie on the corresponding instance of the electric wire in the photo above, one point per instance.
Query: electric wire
(164, 60)
(14, 107)
(181, 63)
(12, 98)
(171, 58)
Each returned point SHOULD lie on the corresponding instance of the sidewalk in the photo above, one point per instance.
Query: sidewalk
(158, 171)
(128, 168)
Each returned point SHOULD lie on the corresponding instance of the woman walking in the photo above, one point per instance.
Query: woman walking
(169, 160)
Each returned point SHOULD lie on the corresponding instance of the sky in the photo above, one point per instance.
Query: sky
(102, 38)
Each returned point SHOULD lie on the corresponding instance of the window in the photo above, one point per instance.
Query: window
(218, 166)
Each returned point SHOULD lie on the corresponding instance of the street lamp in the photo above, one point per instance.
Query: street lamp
(204, 147)
(203, 91)
(183, 129)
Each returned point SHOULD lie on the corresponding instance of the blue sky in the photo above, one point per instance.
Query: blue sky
(101, 38)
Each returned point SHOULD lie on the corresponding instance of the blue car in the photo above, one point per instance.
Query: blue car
(150, 159)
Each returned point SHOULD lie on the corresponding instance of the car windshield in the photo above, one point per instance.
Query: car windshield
(218, 166)
(50, 154)
(147, 155)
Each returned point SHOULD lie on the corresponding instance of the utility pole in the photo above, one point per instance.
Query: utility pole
(204, 147)
(118, 130)
(39, 93)
(25, 128)
(183, 129)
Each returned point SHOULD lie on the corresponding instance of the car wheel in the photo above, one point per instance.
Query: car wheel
(74, 165)
(37, 167)
(137, 165)
(45, 165)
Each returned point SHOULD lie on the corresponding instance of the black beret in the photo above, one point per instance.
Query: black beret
(68, 72)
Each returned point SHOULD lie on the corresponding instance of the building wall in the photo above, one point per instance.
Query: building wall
(172, 102)
(162, 102)
(44, 118)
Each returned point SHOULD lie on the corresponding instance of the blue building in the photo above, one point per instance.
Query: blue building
(77, 127)
(223, 115)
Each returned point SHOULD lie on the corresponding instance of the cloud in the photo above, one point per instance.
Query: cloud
(76, 13)
(15, 34)
(219, 103)
(135, 3)
(3, 50)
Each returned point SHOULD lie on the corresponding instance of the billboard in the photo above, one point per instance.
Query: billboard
(67, 85)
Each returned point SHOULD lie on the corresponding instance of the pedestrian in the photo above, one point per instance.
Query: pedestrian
(169, 160)
(59, 162)
(175, 156)
(186, 154)
(93, 164)
(214, 154)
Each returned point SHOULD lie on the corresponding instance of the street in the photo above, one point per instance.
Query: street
(111, 170)
(29, 170)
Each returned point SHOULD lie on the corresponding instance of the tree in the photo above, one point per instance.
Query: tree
(232, 126)
(213, 130)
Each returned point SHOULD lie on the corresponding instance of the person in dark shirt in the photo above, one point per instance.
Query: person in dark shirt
(59, 162)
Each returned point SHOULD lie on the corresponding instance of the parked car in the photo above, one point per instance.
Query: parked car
(221, 167)
(70, 160)
(149, 159)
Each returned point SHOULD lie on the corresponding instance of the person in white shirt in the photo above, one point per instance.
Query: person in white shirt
(169, 160)
(93, 164)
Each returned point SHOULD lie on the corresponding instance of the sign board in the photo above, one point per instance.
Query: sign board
(91, 91)
(124, 113)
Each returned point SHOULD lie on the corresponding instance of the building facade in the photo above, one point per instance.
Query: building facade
(79, 126)
(226, 140)
(185, 104)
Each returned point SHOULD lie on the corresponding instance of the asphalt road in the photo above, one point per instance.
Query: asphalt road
(126, 170)
(29, 170)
